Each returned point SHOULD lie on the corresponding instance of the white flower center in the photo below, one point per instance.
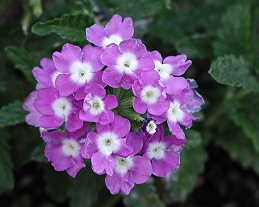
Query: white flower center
(61, 107)
(54, 77)
(71, 148)
(150, 94)
(108, 143)
(81, 72)
(127, 63)
(174, 113)
(156, 150)
(97, 105)
(112, 39)
(123, 164)
(164, 70)
(151, 127)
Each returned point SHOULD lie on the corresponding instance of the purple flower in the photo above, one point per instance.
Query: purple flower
(125, 63)
(79, 67)
(56, 109)
(63, 150)
(46, 76)
(130, 170)
(170, 67)
(115, 31)
(149, 94)
(109, 141)
(177, 114)
(33, 117)
(97, 105)
(163, 152)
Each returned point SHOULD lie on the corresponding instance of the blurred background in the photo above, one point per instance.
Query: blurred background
(220, 162)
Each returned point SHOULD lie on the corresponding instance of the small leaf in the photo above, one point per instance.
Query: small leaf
(23, 60)
(182, 181)
(69, 26)
(143, 195)
(6, 165)
(233, 71)
(12, 114)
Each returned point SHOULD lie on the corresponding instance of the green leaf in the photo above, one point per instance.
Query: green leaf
(25, 140)
(143, 195)
(6, 165)
(69, 26)
(234, 32)
(12, 114)
(182, 181)
(245, 115)
(85, 188)
(233, 71)
(23, 60)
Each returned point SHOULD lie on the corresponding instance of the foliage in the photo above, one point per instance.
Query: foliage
(223, 34)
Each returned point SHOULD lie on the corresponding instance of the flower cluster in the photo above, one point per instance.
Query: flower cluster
(109, 102)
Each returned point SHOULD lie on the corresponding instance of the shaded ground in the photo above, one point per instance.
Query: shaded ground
(224, 184)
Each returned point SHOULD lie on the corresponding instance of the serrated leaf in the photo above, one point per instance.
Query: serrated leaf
(84, 189)
(6, 165)
(69, 26)
(143, 195)
(234, 32)
(182, 181)
(12, 114)
(244, 114)
(233, 71)
(23, 60)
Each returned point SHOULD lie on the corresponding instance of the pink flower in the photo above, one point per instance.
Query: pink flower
(109, 141)
(170, 67)
(115, 31)
(97, 105)
(178, 113)
(33, 117)
(131, 170)
(149, 94)
(46, 76)
(56, 110)
(79, 67)
(63, 150)
(163, 152)
(125, 63)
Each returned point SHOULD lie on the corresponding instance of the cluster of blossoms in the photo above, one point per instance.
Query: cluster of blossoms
(87, 100)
